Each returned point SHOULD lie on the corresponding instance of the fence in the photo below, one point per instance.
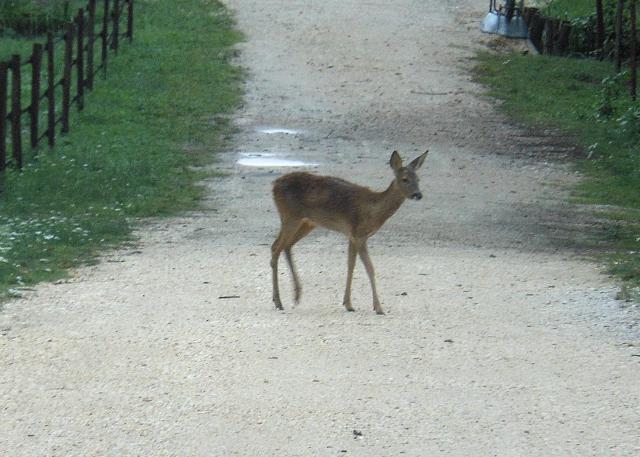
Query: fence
(549, 35)
(553, 36)
(78, 45)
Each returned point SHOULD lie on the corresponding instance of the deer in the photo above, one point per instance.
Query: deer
(305, 201)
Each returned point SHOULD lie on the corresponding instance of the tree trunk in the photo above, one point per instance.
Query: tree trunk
(600, 28)
(618, 53)
(633, 62)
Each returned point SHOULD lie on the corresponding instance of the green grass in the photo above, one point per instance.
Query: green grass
(581, 97)
(569, 8)
(24, 22)
(31, 17)
(130, 152)
(12, 44)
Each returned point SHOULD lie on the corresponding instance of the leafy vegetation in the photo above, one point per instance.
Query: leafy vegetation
(582, 97)
(569, 8)
(131, 152)
(582, 16)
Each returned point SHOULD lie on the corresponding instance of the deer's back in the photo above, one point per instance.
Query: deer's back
(325, 200)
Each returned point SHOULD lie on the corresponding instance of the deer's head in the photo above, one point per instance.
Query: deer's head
(406, 178)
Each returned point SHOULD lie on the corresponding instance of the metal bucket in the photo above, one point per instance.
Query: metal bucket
(506, 21)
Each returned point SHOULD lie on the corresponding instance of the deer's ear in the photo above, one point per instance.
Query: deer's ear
(417, 162)
(395, 161)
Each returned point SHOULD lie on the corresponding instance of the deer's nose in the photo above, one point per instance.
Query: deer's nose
(416, 196)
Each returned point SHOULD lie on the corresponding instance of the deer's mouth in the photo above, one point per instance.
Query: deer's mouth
(416, 196)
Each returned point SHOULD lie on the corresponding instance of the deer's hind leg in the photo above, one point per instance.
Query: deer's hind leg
(303, 230)
(291, 232)
(288, 230)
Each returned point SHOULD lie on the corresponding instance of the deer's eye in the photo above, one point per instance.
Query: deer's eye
(405, 179)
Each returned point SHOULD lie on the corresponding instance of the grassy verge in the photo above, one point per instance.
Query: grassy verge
(568, 8)
(24, 22)
(581, 97)
(129, 154)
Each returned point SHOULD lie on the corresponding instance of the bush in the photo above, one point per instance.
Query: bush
(582, 16)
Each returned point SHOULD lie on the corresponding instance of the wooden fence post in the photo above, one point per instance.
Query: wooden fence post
(563, 37)
(90, 42)
(105, 38)
(528, 13)
(116, 25)
(16, 110)
(51, 91)
(130, 21)
(66, 78)
(633, 57)
(80, 59)
(536, 28)
(4, 90)
(34, 109)
(549, 35)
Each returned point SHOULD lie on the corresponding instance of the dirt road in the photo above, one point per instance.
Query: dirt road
(497, 339)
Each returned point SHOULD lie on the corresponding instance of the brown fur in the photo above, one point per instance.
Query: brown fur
(305, 201)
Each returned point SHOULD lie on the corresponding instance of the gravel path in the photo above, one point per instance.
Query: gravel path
(498, 339)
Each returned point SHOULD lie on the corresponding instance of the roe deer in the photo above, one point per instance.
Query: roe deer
(305, 201)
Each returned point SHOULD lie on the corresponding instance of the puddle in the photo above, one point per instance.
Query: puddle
(270, 161)
(276, 130)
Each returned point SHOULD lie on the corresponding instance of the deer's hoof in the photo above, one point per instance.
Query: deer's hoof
(379, 312)
(348, 307)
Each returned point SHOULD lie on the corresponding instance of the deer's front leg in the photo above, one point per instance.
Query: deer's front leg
(296, 282)
(351, 262)
(364, 256)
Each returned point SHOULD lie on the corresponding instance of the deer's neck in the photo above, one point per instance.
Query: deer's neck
(387, 203)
